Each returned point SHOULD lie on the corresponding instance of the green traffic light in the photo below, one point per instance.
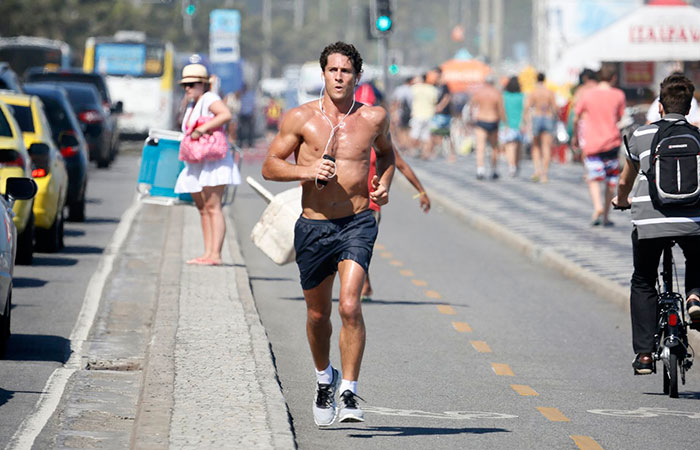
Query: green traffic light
(383, 23)
(191, 9)
(393, 69)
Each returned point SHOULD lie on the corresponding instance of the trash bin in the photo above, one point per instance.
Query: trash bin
(160, 165)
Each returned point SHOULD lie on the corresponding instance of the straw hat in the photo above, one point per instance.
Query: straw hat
(194, 73)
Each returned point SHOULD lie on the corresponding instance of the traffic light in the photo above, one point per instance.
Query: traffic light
(191, 8)
(383, 23)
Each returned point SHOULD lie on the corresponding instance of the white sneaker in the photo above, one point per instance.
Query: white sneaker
(349, 411)
(325, 407)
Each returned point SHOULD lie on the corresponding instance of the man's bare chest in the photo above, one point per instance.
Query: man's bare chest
(348, 139)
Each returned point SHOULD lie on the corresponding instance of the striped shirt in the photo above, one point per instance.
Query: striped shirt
(649, 221)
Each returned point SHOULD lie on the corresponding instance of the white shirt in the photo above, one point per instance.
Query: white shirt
(199, 109)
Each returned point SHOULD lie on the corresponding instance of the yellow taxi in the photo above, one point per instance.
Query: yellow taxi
(15, 162)
(48, 169)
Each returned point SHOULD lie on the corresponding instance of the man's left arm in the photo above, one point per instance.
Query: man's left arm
(386, 163)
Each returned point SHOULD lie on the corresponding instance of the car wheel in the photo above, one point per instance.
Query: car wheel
(103, 162)
(25, 243)
(51, 240)
(5, 326)
(76, 211)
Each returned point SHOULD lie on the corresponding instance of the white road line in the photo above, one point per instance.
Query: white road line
(53, 390)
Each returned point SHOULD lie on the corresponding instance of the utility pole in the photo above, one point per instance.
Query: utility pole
(497, 40)
(484, 37)
(298, 14)
(267, 38)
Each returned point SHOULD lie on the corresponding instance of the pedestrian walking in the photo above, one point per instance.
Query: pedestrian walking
(597, 113)
(655, 226)
(400, 109)
(486, 109)
(541, 117)
(336, 230)
(442, 119)
(425, 98)
(206, 180)
(511, 131)
(246, 118)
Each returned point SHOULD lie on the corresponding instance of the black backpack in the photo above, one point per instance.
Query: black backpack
(674, 165)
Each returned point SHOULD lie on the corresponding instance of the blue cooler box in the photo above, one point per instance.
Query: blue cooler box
(160, 165)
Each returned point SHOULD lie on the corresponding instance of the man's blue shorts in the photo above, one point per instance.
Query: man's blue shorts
(321, 244)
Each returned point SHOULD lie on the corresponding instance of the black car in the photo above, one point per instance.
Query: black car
(8, 79)
(112, 110)
(94, 121)
(69, 138)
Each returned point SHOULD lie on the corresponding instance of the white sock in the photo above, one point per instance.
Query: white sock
(347, 385)
(481, 171)
(325, 376)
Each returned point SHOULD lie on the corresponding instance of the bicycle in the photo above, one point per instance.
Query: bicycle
(671, 345)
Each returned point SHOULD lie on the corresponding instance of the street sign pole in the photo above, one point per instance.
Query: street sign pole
(384, 58)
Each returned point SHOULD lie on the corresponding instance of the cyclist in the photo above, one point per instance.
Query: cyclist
(655, 227)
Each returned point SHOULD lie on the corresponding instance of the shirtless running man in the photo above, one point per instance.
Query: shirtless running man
(487, 110)
(540, 112)
(336, 231)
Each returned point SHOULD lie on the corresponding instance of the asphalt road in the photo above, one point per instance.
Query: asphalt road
(470, 345)
(48, 295)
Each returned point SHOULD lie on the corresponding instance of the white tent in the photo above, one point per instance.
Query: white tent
(651, 33)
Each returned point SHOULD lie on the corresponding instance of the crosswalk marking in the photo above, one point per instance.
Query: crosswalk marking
(586, 442)
(481, 346)
(502, 369)
(523, 389)
(446, 309)
(462, 327)
(553, 414)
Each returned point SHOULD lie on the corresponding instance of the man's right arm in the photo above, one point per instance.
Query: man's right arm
(275, 166)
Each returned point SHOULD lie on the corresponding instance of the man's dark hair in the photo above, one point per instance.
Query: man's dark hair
(676, 94)
(540, 77)
(344, 49)
(513, 85)
(587, 74)
(607, 73)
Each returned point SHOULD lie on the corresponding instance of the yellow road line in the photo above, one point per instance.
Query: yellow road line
(523, 389)
(379, 247)
(462, 327)
(553, 414)
(446, 309)
(420, 283)
(481, 346)
(433, 294)
(502, 369)
(586, 443)
(385, 254)
(396, 262)
(407, 273)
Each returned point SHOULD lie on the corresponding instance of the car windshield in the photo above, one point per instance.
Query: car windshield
(23, 116)
(61, 77)
(58, 118)
(5, 129)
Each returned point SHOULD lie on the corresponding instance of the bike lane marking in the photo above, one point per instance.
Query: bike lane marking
(481, 346)
(523, 389)
(645, 413)
(553, 414)
(462, 327)
(503, 370)
(585, 442)
(454, 415)
(446, 309)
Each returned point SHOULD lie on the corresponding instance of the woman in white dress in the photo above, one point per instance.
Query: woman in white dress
(206, 181)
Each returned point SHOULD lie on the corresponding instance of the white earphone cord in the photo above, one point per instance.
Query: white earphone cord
(333, 130)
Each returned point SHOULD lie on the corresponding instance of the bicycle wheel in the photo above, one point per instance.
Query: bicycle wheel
(672, 377)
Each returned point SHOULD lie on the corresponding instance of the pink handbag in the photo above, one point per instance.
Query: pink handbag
(210, 146)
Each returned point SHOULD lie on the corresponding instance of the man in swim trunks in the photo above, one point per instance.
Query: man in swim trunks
(487, 109)
(541, 113)
(336, 231)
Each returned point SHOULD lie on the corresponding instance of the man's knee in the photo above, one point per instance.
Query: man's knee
(350, 313)
(317, 317)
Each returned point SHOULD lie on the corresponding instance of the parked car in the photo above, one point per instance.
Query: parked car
(15, 188)
(8, 79)
(111, 110)
(48, 170)
(68, 136)
(15, 162)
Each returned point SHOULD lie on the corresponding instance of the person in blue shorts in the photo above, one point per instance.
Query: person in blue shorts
(331, 140)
